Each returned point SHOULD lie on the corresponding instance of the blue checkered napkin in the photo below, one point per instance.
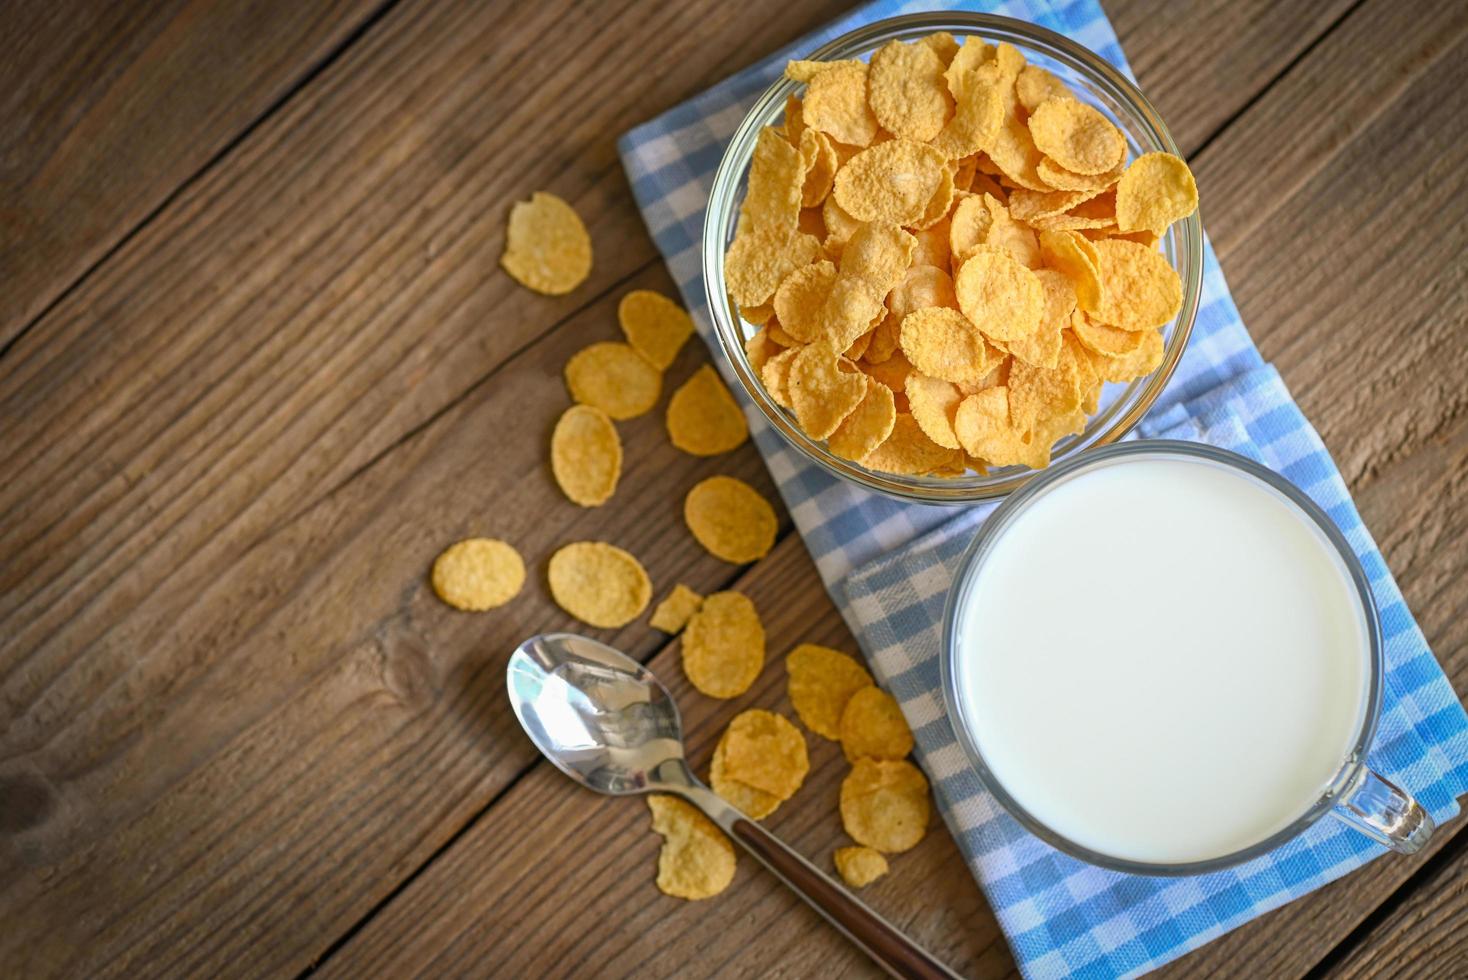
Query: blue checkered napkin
(888, 565)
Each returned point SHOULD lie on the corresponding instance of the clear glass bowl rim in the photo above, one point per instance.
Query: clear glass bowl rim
(1184, 243)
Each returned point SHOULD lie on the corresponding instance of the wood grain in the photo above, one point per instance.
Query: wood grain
(235, 718)
(228, 769)
(1425, 936)
(106, 109)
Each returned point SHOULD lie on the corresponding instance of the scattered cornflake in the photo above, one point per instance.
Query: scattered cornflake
(586, 455)
(765, 751)
(884, 804)
(724, 645)
(703, 418)
(478, 574)
(656, 327)
(599, 584)
(546, 245)
(697, 860)
(821, 681)
(677, 607)
(730, 519)
(615, 378)
(872, 727)
(859, 866)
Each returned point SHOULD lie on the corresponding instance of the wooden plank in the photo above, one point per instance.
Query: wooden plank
(107, 108)
(252, 776)
(548, 839)
(240, 719)
(1425, 936)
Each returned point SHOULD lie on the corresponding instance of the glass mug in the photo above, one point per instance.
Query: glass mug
(1355, 795)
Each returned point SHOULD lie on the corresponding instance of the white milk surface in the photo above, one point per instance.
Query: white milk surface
(1163, 660)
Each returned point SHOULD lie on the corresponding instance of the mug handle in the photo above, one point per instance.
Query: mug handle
(1373, 805)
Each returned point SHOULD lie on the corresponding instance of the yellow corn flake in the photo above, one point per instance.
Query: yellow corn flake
(932, 244)
(1037, 393)
(907, 91)
(478, 574)
(908, 451)
(922, 287)
(801, 300)
(964, 172)
(546, 245)
(1108, 341)
(780, 337)
(1014, 152)
(776, 176)
(1061, 179)
(599, 584)
(1077, 136)
(884, 804)
(1142, 289)
(836, 104)
(879, 253)
(891, 373)
(655, 326)
(776, 376)
(944, 45)
(614, 378)
(1144, 360)
(984, 427)
(998, 295)
(872, 727)
(677, 607)
(765, 751)
(883, 343)
(859, 346)
(794, 121)
(753, 803)
(891, 181)
(757, 315)
(979, 101)
(697, 860)
(859, 866)
(968, 227)
(586, 455)
(824, 389)
(932, 402)
(1042, 348)
(804, 71)
(759, 260)
(821, 681)
(942, 343)
(840, 226)
(730, 519)
(868, 425)
(1010, 235)
(703, 418)
(1156, 190)
(940, 204)
(724, 645)
(1075, 256)
(759, 348)
(818, 157)
(972, 55)
(1026, 205)
(1035, 85)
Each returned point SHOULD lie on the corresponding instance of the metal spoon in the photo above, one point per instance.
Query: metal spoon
(608, 724)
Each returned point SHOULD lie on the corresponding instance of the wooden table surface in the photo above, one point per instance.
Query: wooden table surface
(258, 365)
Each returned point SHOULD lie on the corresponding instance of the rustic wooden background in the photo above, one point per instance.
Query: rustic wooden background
(257, 366)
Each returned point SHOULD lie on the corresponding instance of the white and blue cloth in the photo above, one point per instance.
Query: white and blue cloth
(889, 565)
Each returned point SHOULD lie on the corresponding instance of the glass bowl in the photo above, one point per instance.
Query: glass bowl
(1094, 80)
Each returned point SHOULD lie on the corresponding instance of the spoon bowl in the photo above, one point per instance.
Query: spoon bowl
(596, 713)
